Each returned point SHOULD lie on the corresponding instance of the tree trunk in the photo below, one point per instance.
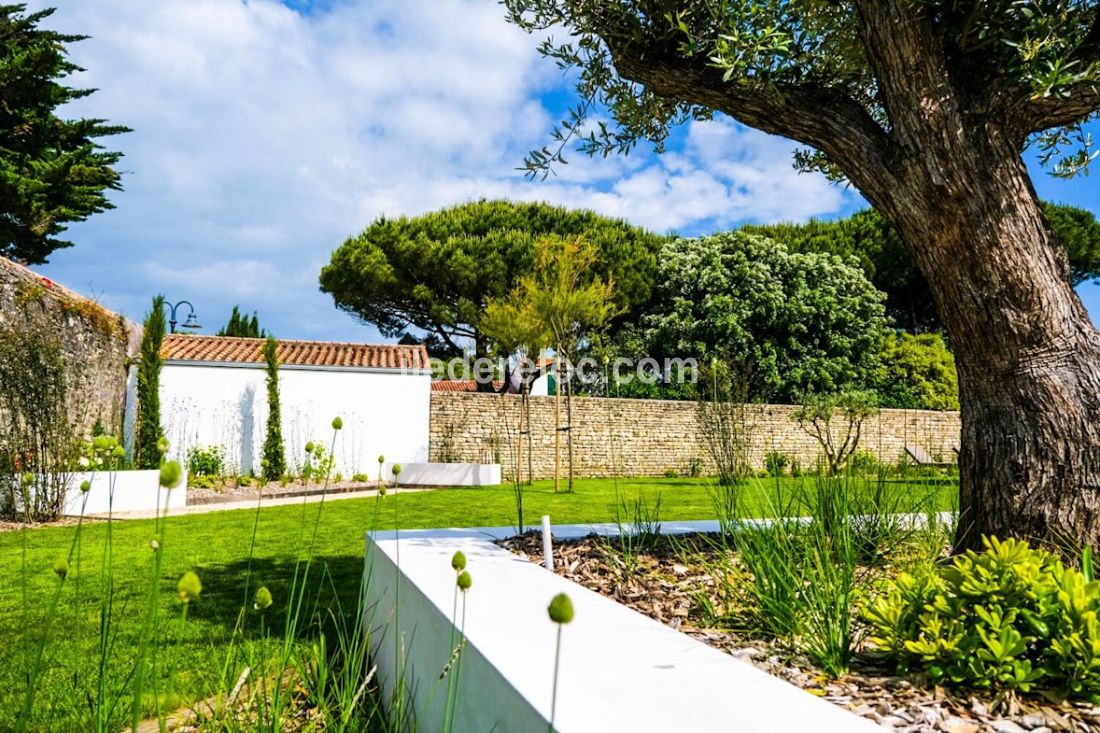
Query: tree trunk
(1027, 354)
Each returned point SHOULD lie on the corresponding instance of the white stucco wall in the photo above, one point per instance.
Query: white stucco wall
(384, 411)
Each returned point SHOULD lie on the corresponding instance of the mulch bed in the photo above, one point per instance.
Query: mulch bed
(275, 489)
(666, 582)
(63, 522)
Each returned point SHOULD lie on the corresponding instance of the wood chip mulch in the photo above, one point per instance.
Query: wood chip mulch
(669, 581)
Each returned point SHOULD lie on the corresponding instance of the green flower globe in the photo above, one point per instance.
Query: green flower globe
(458, 561)
(61, 567)
(560, 609)
(85, 486)
(464, 581)
(337, 423)
(189, 588)
(309, 447)
(171, 473)
(396, 469)
(262, 600)
(382, 489)
(381, 460)
(162, 445)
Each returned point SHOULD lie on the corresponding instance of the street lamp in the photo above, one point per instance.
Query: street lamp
(190, 322)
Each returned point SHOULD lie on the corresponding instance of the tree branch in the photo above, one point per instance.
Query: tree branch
(1079, 102)
(910, 66)
(820, 117)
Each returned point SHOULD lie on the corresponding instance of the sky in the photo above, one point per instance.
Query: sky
(266, 133)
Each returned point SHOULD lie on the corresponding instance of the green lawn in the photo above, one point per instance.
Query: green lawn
(216, 546)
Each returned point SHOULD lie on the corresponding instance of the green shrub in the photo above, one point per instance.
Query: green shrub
(274, 460)
(775, 463)
(695, 467)
(148, 430)
(672, 473)
(205, 461)
(864, 462)
(360, 478)
(1009, 618)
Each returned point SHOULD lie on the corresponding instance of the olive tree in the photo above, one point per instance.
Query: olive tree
(925, 107)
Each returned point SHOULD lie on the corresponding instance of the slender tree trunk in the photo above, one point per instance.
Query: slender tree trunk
(1027, 354)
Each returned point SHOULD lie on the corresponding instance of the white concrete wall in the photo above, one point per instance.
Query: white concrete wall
(384, 412)
(619, 670)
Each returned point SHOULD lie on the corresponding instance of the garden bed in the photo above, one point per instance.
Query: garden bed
(672, 581)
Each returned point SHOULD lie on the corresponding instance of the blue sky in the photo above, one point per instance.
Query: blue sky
(266, 133)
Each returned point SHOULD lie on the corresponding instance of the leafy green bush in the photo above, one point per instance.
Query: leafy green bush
(1010, 618)
(205, 461)
(775, 463)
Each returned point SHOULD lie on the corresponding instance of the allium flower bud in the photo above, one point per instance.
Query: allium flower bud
(119, 452)
(61, 567)
(381, 459)
(171, 473)
(162, 445)
(458, 561)
(337, 423)
(189, 588)
(85, 486)
(464, 581)
(396, 469)
(382, 489)
(262, 600)
(560, 609)
(309, 447)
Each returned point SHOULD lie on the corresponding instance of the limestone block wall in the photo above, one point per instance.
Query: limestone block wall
(650, 437)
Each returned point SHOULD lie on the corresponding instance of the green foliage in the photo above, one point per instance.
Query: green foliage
(148, 431)
(1008, 618)
(437, 272)
(868, 238)
(804, 322)
(775, 463)
(274, 460)
(319, 462)
(242, 326)
(209, 461)
(835, 421)
(52, 171)
(40, 417)
(563, 299)
(650, 66)
(917, 372)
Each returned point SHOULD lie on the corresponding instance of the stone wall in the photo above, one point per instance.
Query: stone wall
(651, 437)
(92, 337)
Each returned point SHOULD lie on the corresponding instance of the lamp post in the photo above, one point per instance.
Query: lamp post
(190, 322)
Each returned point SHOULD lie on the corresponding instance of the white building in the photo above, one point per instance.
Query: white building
(213, 392)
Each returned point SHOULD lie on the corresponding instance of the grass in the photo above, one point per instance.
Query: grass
(216, 545)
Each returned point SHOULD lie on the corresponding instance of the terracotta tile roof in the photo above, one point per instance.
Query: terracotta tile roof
(460, 385)
(181, 347)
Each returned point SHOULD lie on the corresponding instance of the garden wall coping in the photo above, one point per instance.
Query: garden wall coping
(620, 670)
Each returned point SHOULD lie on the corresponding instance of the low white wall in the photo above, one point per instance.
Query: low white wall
(384, 413)
(121, 491)
(619, 669)
(445, 474)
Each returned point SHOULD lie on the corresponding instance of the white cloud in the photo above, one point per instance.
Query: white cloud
(263, 137)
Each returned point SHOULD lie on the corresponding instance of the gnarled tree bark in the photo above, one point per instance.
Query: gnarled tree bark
(945, 168)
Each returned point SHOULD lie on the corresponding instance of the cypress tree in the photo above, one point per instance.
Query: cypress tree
(148, 430)
(274, 464)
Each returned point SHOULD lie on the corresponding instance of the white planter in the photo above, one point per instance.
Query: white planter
(619, 670)
(444, 474)
(123, 491)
